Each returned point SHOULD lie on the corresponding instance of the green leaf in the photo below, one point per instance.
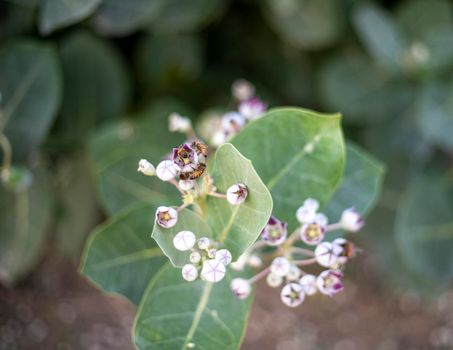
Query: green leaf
(237, 227)
(435, 114)
(380, 35)
(361, 186)
(24, 224)
(78, 209)
(117, 149)
(119, 17)
(234, 227)
(370, 95)
(178, 16)
(175, 314)
(31, 89)
(96, 87)
(56, 14)
(309, 24)
(297, 153)
(425, 228)
(120, 257)
(187, 220)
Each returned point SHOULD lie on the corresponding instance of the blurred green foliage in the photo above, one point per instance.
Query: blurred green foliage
(69, 68)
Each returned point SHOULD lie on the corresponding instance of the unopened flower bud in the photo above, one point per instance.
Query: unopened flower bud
(224, 256)
(293, 273)
(308, 283)
(232, 122)
(275, 232)
(166, 216)
(254, 261)
(351, 220)
(218, 138)
(292, 295)
(321, 219)
(237, 194)
(242, 89)
(166, 170)
(312, 234)
(146, 168)
(274, 280)
(326, 254)
(184, 240)
(189, 272)
(178, 123)
(195, 257)
(203, 243)
(330, 282)
(239, 264)
(252, 108)
(186, 185)
(212, 252)
(240, 287)
(213, 271)
(280, 266)
(305, 215)
(312, 204)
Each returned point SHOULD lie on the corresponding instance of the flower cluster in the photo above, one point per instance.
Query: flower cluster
(286, 269)
(205, 260)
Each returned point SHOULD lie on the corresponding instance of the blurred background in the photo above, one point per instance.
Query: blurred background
(70, 69)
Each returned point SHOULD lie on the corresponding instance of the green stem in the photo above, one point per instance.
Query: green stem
(7, 156)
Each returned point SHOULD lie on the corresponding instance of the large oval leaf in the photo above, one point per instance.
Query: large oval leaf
(361, 185)
(175, 314)
(25, 219)
(297, 153)
(117, 149)
(120, 256)
(31, 89)
(57, 14)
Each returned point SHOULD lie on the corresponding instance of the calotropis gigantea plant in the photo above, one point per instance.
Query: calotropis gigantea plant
(238, 206)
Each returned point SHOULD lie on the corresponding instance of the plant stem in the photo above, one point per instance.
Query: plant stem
(303, 251)
(217, 195)
(259, 275)
(173, 182)
(304, 262)
(333, 227)
(7, 156)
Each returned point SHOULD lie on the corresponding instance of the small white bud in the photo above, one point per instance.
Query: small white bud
(330, 282)
(186, 185)
(312, 204)
(239, 264)
(305, 215)
(252, 108)
(224, 256)
(213, 271)
(327, 254)
(254, 261)
(146, 168)
(212, 252)
(237, 194)
(189, 272)
(280, 266)
(308, 283)
(184, 240)
(203, 243)
(195, 257)
(166, 216)
(292, 295)
(312, 234)
(178, 123)
(351, 220)
(218, 138)
(166, 170)
(242, 89)
(293, 273)
(240, 287)
(321, 219)
(274, 280)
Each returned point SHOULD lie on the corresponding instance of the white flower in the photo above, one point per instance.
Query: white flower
(252, 108)
(327, 254)
(293, 273)
(330, 282)
(240, 287)
(203, 243)
(254, 261)
(312, 234)
(305, 215)
(275, 232)
(308, 283)
(232, 122)
(184, 240)
(292, 295)
(195, 257)
(166, 170)
(239, 264)
(189, 272)
(351, 220)
(166, 216)
(242, 89)
(146, 168)
(321, 219)
(274, 280)
(224, 256)
(237, 194)
(178, 123)
(280, 266)
(213, 271)
(186, 185)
